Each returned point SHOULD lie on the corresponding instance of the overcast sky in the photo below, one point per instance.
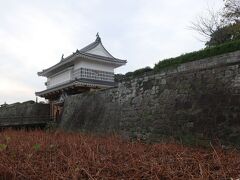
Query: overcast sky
(35, 33)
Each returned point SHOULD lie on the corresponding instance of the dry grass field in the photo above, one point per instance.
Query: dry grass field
(42, 155)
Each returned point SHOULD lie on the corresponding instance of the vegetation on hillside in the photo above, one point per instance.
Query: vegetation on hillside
(41, 155)
(225, 34)
(205, 53)
(188, 57)
(222, 26)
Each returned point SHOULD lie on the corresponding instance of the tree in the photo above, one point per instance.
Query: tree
(208, 24)
(231, 12)
(227, 33)
(220, 27)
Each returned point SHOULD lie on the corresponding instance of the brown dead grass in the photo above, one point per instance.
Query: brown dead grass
(41, 155)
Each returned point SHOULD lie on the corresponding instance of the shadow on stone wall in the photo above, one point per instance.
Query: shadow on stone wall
(194, 106)
(90, 112)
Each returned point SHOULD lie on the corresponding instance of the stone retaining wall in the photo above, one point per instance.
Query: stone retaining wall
(26, 110)
(195, 100)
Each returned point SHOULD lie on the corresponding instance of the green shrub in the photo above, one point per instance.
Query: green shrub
(188, 57)
(3, 147)
(197, 55)
(139, 72)
(36, 147)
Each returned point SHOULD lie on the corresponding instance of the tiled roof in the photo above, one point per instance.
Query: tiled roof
(102, 57)
(77, 82)
(83, 53)
(91, 46)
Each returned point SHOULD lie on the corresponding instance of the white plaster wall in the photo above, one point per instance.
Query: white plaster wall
(60, 78)
(93, 65)
(99, 50)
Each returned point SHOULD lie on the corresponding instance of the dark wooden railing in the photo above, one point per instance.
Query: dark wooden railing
(24, 120)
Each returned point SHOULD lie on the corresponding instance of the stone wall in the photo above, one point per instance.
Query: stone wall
(196, 100)
(29, 110)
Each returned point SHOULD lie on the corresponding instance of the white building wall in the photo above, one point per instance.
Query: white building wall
(59, 78)
(93, 65)
(66, 75)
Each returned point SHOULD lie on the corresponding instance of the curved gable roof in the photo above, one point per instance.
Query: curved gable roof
(94, 51)
(96, 48)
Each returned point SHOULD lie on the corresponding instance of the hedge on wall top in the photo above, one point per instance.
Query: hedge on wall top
(193, 56)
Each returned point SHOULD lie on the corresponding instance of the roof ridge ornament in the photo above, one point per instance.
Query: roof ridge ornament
(98, 39)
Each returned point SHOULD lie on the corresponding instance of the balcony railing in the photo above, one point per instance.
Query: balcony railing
(84, 73)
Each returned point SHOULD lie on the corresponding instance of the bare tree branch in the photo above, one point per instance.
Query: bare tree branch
(232, 11)
(208, 24)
